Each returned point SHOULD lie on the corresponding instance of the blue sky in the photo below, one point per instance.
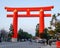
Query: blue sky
(27, 24)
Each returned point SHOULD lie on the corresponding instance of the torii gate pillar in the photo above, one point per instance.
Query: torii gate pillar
(15, 16)
(15, 27)
(41, 21)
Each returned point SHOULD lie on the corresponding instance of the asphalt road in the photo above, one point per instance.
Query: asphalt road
(24, 45)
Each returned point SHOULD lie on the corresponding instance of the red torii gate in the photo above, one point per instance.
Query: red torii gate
(15, 16)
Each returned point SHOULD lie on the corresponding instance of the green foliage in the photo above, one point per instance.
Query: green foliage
(57, 28)
(4, 34)
(56, 23)
(11, 27)
(54, 18)
(23, 35)
(10, 32)
(45, 34)
(37, 30)
(37, 33)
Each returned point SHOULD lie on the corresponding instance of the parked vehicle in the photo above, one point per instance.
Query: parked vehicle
(52, 41)
(40, 40)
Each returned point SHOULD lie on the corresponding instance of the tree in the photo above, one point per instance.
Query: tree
(23, 35)
(10, 32)
(51, 33)
(37, 30)
(29, 36)
(57, 29)
(20, 34)
(53, 20)
(56, 23)
(46, 33)
(4, 34)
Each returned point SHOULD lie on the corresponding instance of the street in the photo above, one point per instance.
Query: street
(24, 45)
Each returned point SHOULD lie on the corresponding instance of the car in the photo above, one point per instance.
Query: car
(37, 40)
(40, 40)
(52, 41)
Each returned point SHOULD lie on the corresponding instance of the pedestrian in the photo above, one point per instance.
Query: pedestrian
(0, 38)
(30, 41)
(50, 42)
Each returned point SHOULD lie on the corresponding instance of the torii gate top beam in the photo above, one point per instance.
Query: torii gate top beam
(28, 10)
(48, 8)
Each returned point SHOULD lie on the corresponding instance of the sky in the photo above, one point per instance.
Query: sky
(27, 24)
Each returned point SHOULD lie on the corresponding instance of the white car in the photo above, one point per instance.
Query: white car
(38, 40)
